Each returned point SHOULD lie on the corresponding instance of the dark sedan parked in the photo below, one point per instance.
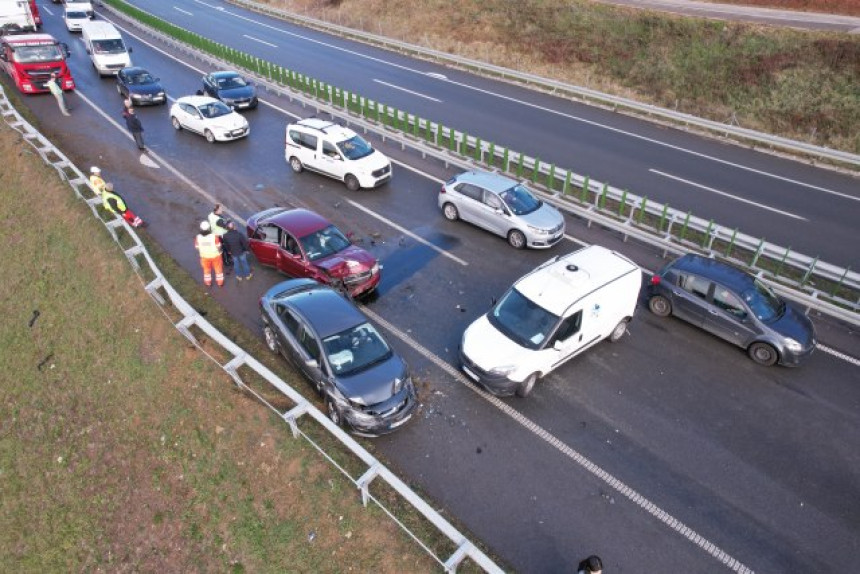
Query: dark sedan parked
(301, 243)
(231, 88)
(364, 383)
(140, 86)
(735, 306)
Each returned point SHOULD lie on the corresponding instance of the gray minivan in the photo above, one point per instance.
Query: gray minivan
(502, 206)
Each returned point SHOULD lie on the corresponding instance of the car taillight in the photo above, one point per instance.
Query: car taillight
(655, 279)
(442, 190)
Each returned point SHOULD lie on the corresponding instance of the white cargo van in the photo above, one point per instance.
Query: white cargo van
(565, 306)
(16, 17)
(105, 47)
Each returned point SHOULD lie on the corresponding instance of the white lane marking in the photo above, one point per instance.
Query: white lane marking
(405, 231)
(729, 195)
(639, 500)
(46, 9)
(183, 11)
(537, 107)
(436, 75)
(260, 41)
(838, 354)
(147, 161)
(420, 95)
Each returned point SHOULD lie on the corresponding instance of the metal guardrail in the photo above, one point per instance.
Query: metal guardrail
(163, 293)
(554, 86)
(652, 223)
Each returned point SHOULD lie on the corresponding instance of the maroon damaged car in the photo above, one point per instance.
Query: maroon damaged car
(302, 243)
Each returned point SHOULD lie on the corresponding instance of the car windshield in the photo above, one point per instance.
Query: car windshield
(522, 320)
(324, 242)
(215, 110)
(232, 82)
(763, 302)
(76, 15)
(30, 54)
(114, 46)
(355, 148)
(140, 79)
(520, 200)
(355, 349)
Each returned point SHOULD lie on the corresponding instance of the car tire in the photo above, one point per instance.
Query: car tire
(449, 210)
(296, 164)
(763, 354)
(176, 125)
(525, 388)
(618, 331)
(660, 306)
(271, 339)
(333, 412)
(517, 239)
(351, 182)
(210, 137)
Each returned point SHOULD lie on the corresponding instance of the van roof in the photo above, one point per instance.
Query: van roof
(564, 280)
(336, 131)
(99, 30)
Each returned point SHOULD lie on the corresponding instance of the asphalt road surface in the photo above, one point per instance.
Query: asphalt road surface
(669, 450)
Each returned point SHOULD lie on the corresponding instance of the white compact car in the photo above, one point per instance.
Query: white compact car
(335, 151)
(549, 316)
(211, 118)
(74, 17)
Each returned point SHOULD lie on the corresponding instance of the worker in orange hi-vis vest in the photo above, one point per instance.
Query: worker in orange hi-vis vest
(209, 246)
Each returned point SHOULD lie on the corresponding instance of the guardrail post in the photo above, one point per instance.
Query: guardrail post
(642, 205)
(415, 127)
(601, 199)
(535, 169)
(808, 272)
(293, 414)
(506, 164)
(550, 178)
(520, 165)
(428, 133)
(451, 139)
(622, 204)
(565, 188)
(479, 153)
(732, 243)
(363, 482)
(758, 252)
(839, 283)
(683, 233)
(586, 185)
(463, 144)
(706, 238)
(492, 154)
(663, 218)
(782, 261)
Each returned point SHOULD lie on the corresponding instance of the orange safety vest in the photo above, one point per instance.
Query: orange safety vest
(209, 246)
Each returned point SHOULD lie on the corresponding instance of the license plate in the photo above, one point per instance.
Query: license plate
(471, 374)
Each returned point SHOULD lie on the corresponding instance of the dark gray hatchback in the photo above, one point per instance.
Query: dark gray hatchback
(363, 382)
(735, 306)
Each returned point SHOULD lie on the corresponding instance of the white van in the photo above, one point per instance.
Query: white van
(565, 306)
(105, 47)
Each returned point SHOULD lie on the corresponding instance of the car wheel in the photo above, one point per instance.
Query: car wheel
(271, 339)
(351, 182)
(527, 385)
(176, 125)
(210, 137)
(333, 412)
(296, 164)
(618, 331)
(517, 239)
(660, 306)
(763, 354)
(449, 210)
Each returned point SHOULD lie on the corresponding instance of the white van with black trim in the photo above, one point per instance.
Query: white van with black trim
(554, 313)
(105, 47)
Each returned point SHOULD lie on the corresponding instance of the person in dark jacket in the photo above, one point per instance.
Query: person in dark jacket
(237, 244)
(135, 127)
(591, 565)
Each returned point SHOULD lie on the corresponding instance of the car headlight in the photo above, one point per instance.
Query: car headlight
(136, 96)
(375, 269)
(793, 346)
(359, 415)
(399, 383)
(503, 370)
(159, 95)
(538, 230)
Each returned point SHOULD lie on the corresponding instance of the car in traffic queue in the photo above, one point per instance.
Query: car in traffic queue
(301, 243)
(231, 88)
(501, 206)
(733, 305)
(337, 152)
(364, 383)
(138, 85)
(211, 118)
(74, 17)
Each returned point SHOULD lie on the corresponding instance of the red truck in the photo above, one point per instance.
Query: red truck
(35, 11)
(30, 59)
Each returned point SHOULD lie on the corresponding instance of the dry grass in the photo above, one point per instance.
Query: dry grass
(121, 447)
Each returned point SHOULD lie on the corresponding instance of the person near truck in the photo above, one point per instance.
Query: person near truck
(208, 245)
(114, 203)
(57, 91)
(236, 244)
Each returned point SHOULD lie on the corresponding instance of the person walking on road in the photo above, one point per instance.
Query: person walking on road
(96, 180)
(591, 565)
(57, 91)
(135, 127)
(236, 244)
(208, 246)
(114, 203)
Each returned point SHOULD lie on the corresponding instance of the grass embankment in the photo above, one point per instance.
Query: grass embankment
(122, 447)
(802, 85)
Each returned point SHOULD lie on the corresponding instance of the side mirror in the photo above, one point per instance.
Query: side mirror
(557, 345)
(130, 50)
(89, 51)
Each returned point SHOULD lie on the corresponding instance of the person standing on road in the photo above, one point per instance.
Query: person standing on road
(591, 565)
(114, 203)
(218, 224)
(57, 91)
(236, 244)
(96, 181)
(135, 127)
(209, 246)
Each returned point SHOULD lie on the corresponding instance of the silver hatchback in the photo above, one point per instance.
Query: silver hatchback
(502, 206)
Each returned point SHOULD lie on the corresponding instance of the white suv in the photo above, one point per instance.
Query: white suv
(336, 151)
